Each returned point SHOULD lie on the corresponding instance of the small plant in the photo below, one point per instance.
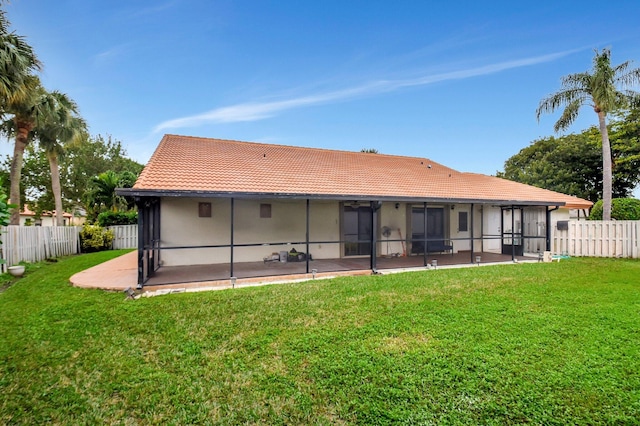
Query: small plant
(4, 213)
(95, 238)
(4, 209)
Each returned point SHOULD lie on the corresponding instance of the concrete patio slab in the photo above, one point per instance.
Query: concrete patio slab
(121, 273)
(115, 274)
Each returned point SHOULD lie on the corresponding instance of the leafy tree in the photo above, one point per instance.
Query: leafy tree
(102, 195)
(621, 209)
(60, 127)
(598, 89)
(87, 158)
(625, 152)
(572, 164)
(369, 150)
(83, 159)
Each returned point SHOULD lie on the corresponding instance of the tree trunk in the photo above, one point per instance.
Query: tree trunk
(23, 127)
(55, 186)
(606, 167)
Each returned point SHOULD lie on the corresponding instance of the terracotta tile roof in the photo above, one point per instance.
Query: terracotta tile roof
(28, 212)
(184, 163)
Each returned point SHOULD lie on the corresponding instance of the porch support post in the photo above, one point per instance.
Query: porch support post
(158, 234)
(424, 241)
(375, 205)
(231, 240)
(307, 236)
(548, 229)
(481, 228)
(152, 226)
(141, 224)
(471, 229)
(513, 233)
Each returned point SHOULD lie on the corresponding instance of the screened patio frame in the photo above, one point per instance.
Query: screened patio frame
(149, 232)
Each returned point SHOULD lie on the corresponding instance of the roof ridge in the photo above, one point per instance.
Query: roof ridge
(339, 151)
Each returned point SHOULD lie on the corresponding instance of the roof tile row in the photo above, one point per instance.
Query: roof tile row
(184, 163)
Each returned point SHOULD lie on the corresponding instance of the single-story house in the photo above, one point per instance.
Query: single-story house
(47, 218)
(242, 209)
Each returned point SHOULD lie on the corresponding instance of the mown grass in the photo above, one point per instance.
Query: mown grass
(531, 343)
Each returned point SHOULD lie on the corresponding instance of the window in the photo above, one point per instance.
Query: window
(463, 225)
(204, 209)
(265, 211)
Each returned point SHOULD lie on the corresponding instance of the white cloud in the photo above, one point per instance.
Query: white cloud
(111, 54)
(253, 111)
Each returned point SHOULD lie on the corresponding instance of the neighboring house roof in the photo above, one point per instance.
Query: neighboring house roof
(184, 165)
(28, 212)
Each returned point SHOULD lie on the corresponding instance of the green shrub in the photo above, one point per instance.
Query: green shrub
(110, 218)
(95, 238)
(621, 209)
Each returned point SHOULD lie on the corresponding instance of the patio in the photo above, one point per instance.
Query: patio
(270, 270)
(121, 273)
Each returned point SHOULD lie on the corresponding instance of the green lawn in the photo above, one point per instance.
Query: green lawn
(530, 343)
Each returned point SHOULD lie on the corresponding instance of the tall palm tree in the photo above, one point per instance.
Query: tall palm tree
(27, 108)
(606, 89)
(17, 84)
(62, 126)
(17, 62)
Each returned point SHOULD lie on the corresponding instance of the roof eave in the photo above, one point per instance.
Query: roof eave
(133, 192)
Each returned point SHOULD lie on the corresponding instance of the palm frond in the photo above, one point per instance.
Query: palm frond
(578, 81)
(564, 97)
(630, 78)
(568, 116)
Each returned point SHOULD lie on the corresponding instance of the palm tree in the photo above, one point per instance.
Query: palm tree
(62, 126)
(102, 193)
(17, 62)
(598, 89)
(28, 108)
(17, 85)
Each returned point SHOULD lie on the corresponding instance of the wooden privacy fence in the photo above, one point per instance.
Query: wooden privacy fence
(125, 236)
(597, 238)
(37, 243)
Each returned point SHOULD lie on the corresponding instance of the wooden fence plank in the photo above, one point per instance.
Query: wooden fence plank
(36, 243)
(125, 236)
(597, 239)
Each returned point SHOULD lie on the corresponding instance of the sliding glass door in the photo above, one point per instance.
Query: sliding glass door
(357, 226)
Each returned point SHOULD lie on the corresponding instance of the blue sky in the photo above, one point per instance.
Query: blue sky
(457, 82)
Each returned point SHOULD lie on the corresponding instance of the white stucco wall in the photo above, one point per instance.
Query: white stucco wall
(324, 225)
(45, 221)
(396, 220)
(454, 227)
(181, 226)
